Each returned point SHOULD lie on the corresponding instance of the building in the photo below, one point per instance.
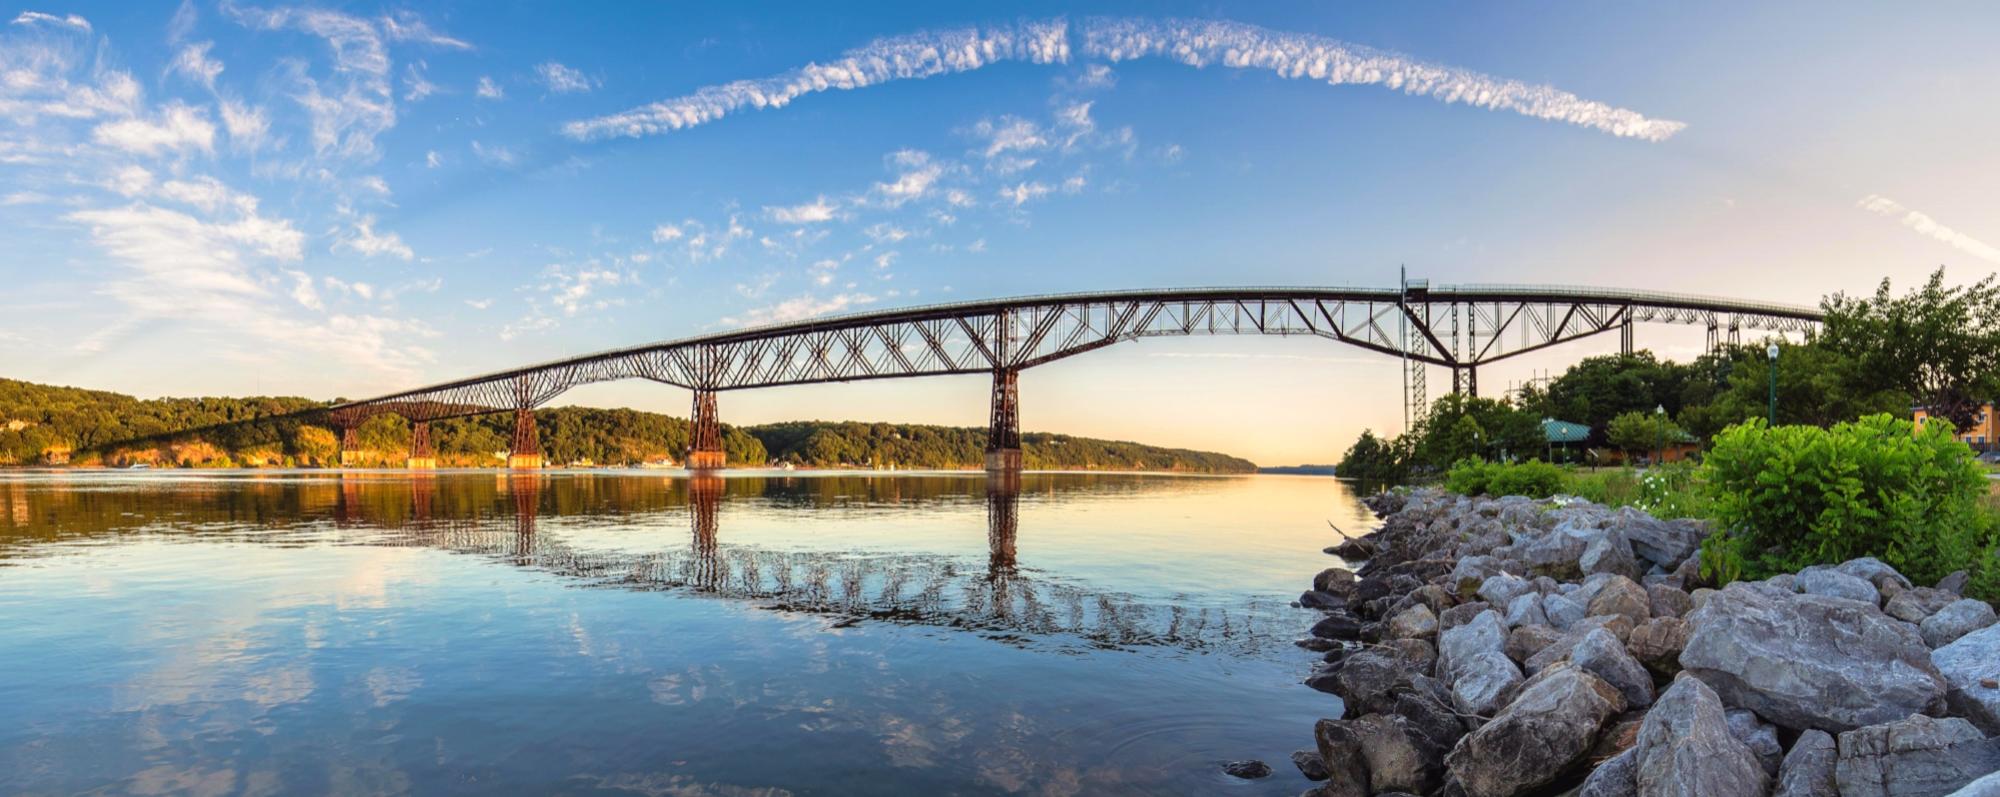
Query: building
(1983, 434)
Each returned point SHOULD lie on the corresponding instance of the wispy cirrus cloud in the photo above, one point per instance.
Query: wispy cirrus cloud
(40, 18)
(798, 308)
(562, 79)
(909, 57)
(1926, 226)
(1196, 43)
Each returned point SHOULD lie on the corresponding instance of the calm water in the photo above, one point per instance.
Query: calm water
(633, 633)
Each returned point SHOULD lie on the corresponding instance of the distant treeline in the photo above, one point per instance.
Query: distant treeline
(41, 424)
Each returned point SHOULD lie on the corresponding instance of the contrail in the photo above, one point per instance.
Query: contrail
(1196, 43)
(909, 57)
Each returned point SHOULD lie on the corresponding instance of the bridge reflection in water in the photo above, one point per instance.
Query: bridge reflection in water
(605, 530)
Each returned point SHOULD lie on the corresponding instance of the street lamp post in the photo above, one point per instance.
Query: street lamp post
(1772, 351)
(1659, 434)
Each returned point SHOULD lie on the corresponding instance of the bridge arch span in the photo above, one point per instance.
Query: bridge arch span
(1460, 327)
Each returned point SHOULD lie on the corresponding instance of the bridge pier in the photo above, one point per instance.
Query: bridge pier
(1003, 436)
(421, 455)
(1465, 381)
(350, 445)
(705, 437)
(526, 452)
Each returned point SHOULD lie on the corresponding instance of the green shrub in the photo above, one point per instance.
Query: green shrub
(1792, 496)
(1534, 478)
(1610, 487)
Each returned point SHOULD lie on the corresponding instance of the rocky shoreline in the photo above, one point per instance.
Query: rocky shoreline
(1500, 647)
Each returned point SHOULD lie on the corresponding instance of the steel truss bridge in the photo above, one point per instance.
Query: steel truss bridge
(1458, 327)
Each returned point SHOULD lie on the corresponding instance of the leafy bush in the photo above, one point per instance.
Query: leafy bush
(1534, 478)
(1792, 496)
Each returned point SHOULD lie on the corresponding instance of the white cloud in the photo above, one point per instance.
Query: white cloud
(206, 193)
(886, 259)
(39, 18)
(918, 55)
(406, 26)
(667, 232)
(360, 107)
(479, 304)
(24, 198)
(1021, 193)
(571, 290)
(193, 62)
(1929, 227)
(822, 271)
(1010, 134)
(816, 211)
(1074, 184)
(798, 308)
(247, 126)
(303, 292)
(1199, 43)
(1094, 76)
(562, 79)
(178, 128)
(918, 172)
(489, 90)
(416, 85)
(1196, 43)
(364, 240)
(433, 160)
(493, 154)
(885, 233)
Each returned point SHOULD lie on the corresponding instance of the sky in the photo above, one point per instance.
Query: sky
(349, 199)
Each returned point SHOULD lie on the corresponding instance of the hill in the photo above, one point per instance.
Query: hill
(41, 424)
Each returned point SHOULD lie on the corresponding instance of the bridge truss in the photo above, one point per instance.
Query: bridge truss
(1455, 327)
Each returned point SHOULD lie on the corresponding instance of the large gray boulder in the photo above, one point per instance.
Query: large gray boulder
(1616, 777)
(1526, 609)
(1809, 661)
(1415, 622)
(1916, 603)
(1668, 600)
(1501, 590)
(1685, 748)
(1397, 758)
(1873, 571)
(1600, 654)
(1538, 738)
(1658, 643)
(1556, 552)
(1563, 611)
(1609, 553)
(1955, 620)
(1988, 786)
(1808, 769)
(1623, 597)
(1483, 683)
(1822, 580)
(1662, 542)
(1971, 669)
(1340, 754)
(1367, 680)
(1760, 736)
(1915, 757)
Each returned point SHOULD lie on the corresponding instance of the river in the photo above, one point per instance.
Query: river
(632, 632)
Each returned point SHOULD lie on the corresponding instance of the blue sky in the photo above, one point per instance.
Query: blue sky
(347, 199)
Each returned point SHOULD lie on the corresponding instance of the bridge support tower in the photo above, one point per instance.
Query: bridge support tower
(526, 453)
(422, 457)
(350, 445)
(705, 439)
(1003, 437)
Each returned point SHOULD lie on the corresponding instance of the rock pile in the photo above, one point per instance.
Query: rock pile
(1500, 647)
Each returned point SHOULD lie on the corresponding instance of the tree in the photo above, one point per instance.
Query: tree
(1817, 386)
(316, 444)
(1374, 459)
(1642, 431)
(1939, 345)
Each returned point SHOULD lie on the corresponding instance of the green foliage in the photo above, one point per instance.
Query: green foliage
(1598, 389)
(1793, 496)
(1533, 478)
(852, 443)
(1373, 459)
(1461, 426)
(1939, 345)
(1607, 486)
(1643, 432)
(1816, 385)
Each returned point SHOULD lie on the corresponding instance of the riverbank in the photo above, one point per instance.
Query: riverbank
(1510, 646)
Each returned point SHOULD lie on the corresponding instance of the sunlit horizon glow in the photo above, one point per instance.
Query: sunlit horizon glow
(222, 199)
